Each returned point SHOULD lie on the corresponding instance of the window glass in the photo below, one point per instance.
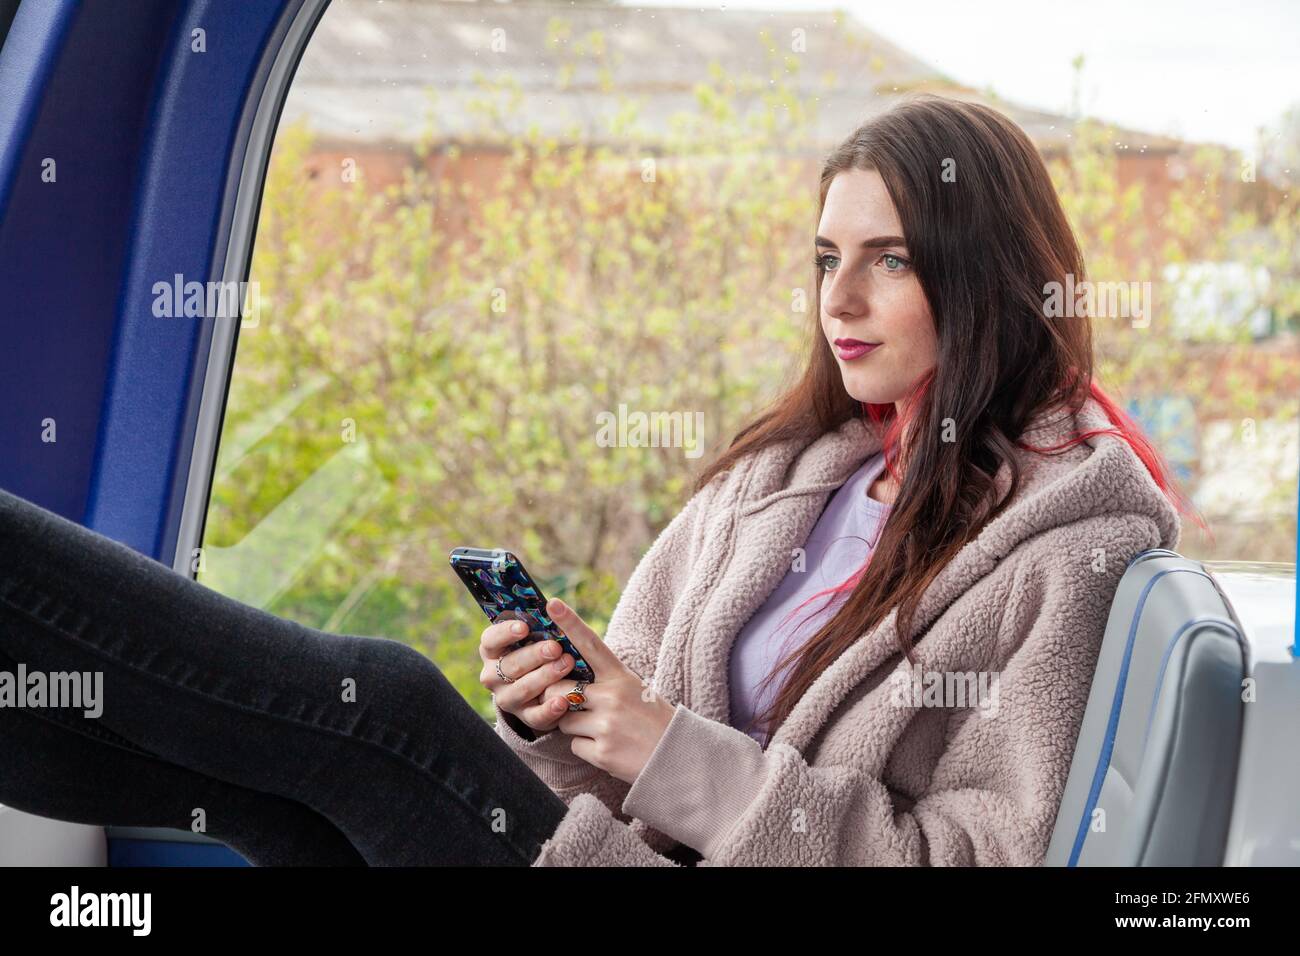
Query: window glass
(493, 237)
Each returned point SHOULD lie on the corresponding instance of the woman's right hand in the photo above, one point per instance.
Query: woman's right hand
(532, 668)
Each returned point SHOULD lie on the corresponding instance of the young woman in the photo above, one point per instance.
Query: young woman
(944, 500)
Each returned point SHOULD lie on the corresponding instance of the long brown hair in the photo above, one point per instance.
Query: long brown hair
(984, 248)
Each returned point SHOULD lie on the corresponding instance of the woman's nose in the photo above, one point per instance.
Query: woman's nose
(846, 300)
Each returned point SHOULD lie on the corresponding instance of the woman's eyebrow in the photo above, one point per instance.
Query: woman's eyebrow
(878, 242)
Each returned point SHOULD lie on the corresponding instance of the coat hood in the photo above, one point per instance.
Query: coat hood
(1100, 475)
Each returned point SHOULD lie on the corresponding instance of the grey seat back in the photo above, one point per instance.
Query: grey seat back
(1155, 763)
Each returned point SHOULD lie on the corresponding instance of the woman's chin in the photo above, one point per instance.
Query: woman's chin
(867, 394)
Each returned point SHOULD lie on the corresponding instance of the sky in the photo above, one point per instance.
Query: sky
(1199, 70)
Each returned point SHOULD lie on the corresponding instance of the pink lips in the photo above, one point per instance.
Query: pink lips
(849, 349)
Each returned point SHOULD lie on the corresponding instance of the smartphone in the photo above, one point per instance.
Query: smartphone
(499, 582)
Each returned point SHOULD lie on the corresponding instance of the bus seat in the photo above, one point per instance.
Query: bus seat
(1155, 763)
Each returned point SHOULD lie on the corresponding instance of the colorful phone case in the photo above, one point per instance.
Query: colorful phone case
(499, 582)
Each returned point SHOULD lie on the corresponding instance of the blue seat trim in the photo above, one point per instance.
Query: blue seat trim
(133, 852)
(1117, 701)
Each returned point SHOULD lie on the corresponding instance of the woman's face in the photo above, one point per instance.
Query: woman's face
(870, 293)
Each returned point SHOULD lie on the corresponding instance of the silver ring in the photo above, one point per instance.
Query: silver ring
(501, 674)
(577, 689)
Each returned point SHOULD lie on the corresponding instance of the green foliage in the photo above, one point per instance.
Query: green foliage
(431, 357)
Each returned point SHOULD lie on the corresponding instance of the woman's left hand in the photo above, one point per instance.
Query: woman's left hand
(624, 717)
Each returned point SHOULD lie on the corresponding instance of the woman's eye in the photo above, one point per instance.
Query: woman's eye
(823, 262)
(893, 263)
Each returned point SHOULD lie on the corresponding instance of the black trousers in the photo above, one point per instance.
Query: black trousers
(290, 745)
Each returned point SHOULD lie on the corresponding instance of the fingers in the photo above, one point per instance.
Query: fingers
(530, 669)
(545, 714)
(498, 637)
(526, 697)
(586, 641)
(554, 709)
(535, 668)
(546, 656)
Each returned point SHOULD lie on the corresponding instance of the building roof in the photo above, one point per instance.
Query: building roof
(390, 70)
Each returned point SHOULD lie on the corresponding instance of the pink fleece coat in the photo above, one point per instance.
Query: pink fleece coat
(856, 776)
